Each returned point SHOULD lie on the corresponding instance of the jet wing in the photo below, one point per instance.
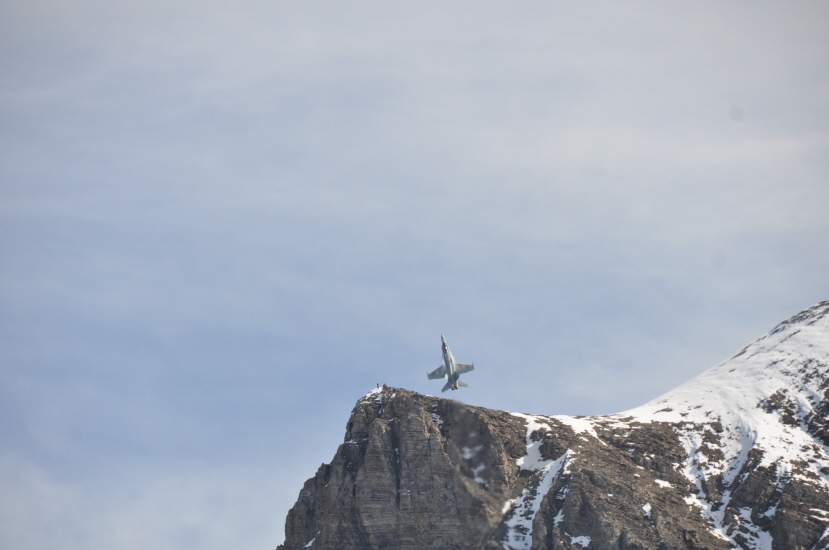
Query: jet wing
(460, 368)
(439, 372)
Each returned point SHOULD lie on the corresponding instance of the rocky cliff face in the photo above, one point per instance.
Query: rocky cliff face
(736, 458)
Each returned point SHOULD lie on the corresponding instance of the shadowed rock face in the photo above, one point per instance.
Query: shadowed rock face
(735, 458)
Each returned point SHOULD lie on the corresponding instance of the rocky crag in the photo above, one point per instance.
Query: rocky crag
(736, 458)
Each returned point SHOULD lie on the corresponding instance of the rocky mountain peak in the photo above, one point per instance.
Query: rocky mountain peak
(788, 361)
(738, 457)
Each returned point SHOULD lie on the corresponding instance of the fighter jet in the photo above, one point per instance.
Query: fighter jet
(450, 370)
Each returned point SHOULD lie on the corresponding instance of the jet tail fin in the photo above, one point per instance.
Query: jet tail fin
(462, 384)
(446, 387)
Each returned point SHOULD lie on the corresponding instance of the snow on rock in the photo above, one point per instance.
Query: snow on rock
(790, 362)
(579, 424)
(438, 420)
(526, 506)
(756, 410)
(744, 447)
(374, 395)
(764, 399)
(470, 452)
(435, 416)
(476, 471)
(559, 518)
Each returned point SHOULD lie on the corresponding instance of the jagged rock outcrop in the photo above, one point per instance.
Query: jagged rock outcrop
(736, 458)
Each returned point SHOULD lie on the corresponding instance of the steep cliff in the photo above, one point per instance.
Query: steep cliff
(735, 458)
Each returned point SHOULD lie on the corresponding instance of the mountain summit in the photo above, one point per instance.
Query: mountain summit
(738, 457)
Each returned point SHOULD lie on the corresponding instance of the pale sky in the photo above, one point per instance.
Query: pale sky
(224, 222)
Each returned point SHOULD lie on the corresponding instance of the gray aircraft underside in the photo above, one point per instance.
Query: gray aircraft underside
(450, 370)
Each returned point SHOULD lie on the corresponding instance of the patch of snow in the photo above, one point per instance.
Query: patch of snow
(789, 363)
(762, 540)
(436, 417)
(559, 517)
(662, 483)
(770, 512)
(580, 424)
(310, 543)
(526, 506)
(373, 395)
(477, 473)
(753, 535)
(532, 460)
(469, 452)
(583, 541)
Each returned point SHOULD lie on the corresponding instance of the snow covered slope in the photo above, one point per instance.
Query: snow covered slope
(754, 432)
(764, 408)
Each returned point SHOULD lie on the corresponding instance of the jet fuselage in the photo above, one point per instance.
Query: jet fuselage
(449, 370)
(449, 362)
